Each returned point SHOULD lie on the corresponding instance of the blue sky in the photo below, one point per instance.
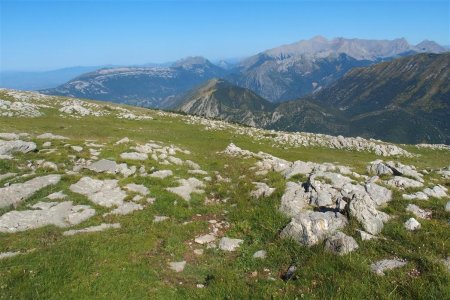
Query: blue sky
(40, 35)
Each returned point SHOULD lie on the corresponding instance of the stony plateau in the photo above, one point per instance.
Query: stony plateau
(195, 203)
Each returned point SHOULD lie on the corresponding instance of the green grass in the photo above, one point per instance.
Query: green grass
(131, 262)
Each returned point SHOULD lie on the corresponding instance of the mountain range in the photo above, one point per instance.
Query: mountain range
(383, 89)
(279, 74)
(404, 100)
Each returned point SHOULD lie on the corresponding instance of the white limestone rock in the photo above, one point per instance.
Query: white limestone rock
(18, 192)
(62, 214)
(229, 244)
(384, 265)
(187, 187)
(412, 224)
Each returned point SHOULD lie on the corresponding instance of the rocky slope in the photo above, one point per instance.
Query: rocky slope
(295, 70)
(222, 100)
(103, 199)
(140, 86)
(86, 191)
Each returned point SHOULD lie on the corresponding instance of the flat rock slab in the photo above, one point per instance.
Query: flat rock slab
(10, 147)
(126, 208)
(57, 196)
(61, 214)
(177, 266)
(138, 188)
(205, 239)
(97, 228)
(18, 192)
(103, 165)
(51, 136)
(161, 174)
(106, 193)
(187, 187)
(381, 266)
(134, 156)
(228, 244)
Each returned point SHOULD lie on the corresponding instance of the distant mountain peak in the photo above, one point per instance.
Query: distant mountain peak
(191, 61)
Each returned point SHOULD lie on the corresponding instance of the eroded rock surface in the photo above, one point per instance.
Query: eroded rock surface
(18, 192)
(61, 214)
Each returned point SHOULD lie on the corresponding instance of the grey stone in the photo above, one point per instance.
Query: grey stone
(103, 165)
(340, 244)
(138, 188)
(403, 182)
(405, 170)
(381, 266)
(77, 148)
(97, 228)
(57, 196)
(177, 266)
(309, 228)
(62, 214)
(102, 192)
(161, 174)
(175, 160)
(447, 206)
(411, 224)
(365, 236)
(380, 195)
(192, 165)
(9, 136)
(49, 166)
(418, 212)
(261, 190)
(364, 210)
(187, 187)
(205, 239)
(134, 156)
(294, 199)
(228, 244)
(261, 254)
(51, 136)
(298, 167)
(437, 191)
(10, 147)
(125, 208)
(415, 196)
(379, 168)
(18, 192)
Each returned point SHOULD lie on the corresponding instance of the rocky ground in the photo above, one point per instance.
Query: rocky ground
(99, 200)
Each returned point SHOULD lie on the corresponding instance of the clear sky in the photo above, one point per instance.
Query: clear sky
(40, 35)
